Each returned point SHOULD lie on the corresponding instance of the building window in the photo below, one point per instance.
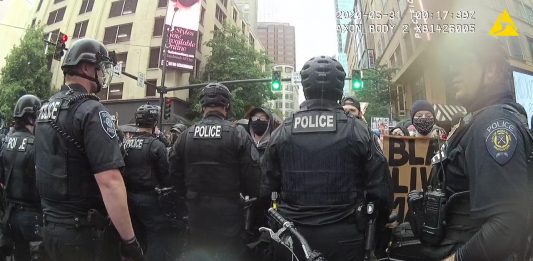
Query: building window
(419, 90)
(154, 57)
(123, 7)
(252, 40)
(398, 55)
(162, 3)
(288, 105)
(199, 47)
(515, 50)
(202, 14)
(151, 90)
(123, 58)
(117, 34)
(115, 91)
(54, 35)
(158, 26)
(58, 1)
(243, 26)
(102, 94)
(86, 6)
(288, 70)
(80, 29)
(56, 16)
(197, 68)
(225, 3)
(530, 42)
(220, 15)
(235, 14)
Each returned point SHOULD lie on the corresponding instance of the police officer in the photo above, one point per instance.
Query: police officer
(486, 168)
(17, 174)
(324, 162)
(77, 163)
(147, 169)
(212, 162)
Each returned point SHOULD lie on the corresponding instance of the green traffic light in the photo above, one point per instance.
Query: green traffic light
(276, 86)
(357, 85)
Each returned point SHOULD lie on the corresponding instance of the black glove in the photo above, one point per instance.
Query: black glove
(131, 250)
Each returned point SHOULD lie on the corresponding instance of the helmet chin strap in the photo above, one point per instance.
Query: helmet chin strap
(93, 79)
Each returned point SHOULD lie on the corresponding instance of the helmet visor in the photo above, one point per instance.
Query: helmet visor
(106, 73)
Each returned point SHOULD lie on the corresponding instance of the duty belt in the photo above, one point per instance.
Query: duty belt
(76, 222)
(202, 194)
(93, 219)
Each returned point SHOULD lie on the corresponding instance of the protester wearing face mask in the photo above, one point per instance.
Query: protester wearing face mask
(259, 122)
(423, 119)
(260, 125)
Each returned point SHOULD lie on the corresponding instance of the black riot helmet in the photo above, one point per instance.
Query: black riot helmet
(215, 94)
(27, 105)
(90, 51)
(147, 116)
(178, 128)
(323, 78)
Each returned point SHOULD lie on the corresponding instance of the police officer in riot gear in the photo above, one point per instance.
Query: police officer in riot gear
(17, 175)
(324, 163)
(77, 164)
(211, 163)
(147, 169)
(483, 173)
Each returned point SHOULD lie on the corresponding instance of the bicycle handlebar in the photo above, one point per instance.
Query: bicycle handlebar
(308, 252)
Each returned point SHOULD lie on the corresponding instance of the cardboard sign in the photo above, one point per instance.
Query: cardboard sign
(410, 166)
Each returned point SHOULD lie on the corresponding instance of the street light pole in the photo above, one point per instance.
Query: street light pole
(164, 71)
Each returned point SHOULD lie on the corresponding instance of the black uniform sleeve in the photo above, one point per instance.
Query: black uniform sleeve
(496, 165)
(176, 164)
(161, 137)
(249, 181)
(378, 184)
(99, 136)
(158, 154)
(271, 178)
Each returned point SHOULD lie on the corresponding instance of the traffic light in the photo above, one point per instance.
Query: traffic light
(60, 46)
(357, 81)
(168, 104)
(276, 81)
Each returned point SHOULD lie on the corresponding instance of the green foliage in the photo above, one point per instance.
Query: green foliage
(377, 83)
(25, 72)
(232, 58)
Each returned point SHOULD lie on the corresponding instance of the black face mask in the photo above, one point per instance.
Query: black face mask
(424, 125)
(259, 127)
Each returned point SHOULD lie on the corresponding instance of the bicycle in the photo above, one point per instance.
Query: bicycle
(283, 237)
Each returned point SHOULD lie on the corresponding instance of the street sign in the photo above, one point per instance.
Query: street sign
(140, 80)
(117, 70)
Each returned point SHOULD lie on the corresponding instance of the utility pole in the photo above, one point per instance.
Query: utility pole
(163, 90)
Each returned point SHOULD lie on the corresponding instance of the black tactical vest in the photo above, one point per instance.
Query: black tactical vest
(19, 169)
(212, 159)
(139, 173)
(64, 175)
(318, 159)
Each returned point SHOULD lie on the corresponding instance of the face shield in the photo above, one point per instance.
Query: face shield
(104, 74)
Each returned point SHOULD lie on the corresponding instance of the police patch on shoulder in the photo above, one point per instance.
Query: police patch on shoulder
(107, 124)
(314, 121)
(501, 140)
